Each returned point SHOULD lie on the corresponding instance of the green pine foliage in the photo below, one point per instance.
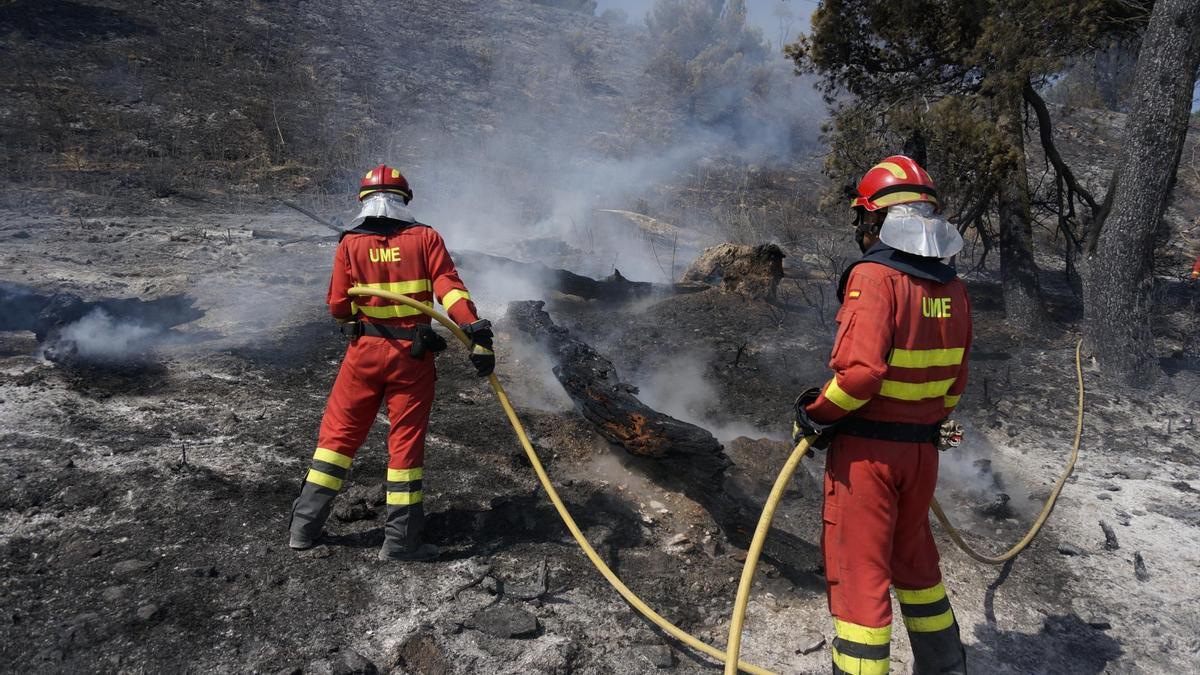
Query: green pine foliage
(946, 72)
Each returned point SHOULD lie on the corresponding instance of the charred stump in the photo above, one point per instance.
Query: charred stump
(752, 271)
(676, 454)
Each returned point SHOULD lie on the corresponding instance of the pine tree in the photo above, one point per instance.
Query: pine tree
(961, 75)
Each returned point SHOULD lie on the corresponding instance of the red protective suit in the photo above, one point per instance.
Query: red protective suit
(900, 356)
(410, 259)
(1196, 268)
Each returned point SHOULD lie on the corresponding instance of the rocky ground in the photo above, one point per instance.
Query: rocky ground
(143, 526)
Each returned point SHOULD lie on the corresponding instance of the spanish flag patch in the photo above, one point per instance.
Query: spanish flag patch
(852, 295)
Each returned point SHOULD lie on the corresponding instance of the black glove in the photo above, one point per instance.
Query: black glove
(805, 426)
(482, 356)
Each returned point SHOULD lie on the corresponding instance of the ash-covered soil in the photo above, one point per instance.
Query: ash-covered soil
(143, 523)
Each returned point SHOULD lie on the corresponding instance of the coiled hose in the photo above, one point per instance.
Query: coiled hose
(729, 658)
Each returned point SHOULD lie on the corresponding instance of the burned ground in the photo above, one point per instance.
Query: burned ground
(144, 520)
(142, 523)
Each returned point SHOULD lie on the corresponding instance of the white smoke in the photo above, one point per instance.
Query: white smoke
(681, 388)
(976, 472)
(575, 123)
(100, 337)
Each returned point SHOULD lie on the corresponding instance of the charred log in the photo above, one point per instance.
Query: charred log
(613, 407)
(676, 454)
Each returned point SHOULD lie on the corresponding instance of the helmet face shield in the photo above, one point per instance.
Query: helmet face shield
(916, 228)
(383, 205)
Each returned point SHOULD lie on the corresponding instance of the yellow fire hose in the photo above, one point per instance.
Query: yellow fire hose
(764, 523)
(789, 468)
(630, 597)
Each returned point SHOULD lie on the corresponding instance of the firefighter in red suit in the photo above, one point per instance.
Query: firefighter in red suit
(1195, 275)
(899, 367)
(390, 360)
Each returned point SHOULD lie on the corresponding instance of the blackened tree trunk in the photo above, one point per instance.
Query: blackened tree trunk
(1120, 272)
(1023, 307)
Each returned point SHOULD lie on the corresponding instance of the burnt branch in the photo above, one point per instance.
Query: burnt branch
(1045, 128)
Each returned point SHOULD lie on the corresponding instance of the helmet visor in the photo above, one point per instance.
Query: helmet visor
(383, 205)
(915, 228)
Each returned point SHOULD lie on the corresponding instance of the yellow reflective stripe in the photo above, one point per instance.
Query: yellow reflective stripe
(929, 624)
(390, 311)
(909, 391)
(402, 287)
(903, 198)
(951, 401)
(367, 190)
(331, 457)
(402, 475)
(841, 399)
(481, 350)
(894, 168)
(853, 664)
(404, 498)
(454, 296)
(925, 358)
(324, 479)
(921, 596)
(863, 635)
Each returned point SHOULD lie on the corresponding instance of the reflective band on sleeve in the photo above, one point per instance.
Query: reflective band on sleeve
(454, 296)
(403, 287)
(951, 401)
(862, 634)
(404, 498)
(909, 391)
(921, 596)
(841, 399)
(390, 311)
(481, 350)
(925, 358)
(334, 458)
(324, 479)
(402, 475)
(929, 624)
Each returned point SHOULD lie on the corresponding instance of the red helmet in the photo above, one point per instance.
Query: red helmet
(895, 180)
(384, 178)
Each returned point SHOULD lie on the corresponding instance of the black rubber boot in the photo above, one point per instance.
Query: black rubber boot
(402, 534)
(938, 652)
(309, 512)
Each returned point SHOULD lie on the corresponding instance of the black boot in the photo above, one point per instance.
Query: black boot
(932, 632)
(309, 512)
(402, 534)
(311, 508)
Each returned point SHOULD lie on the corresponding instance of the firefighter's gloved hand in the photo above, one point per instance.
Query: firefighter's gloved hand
(805, 426)
(482, 356)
